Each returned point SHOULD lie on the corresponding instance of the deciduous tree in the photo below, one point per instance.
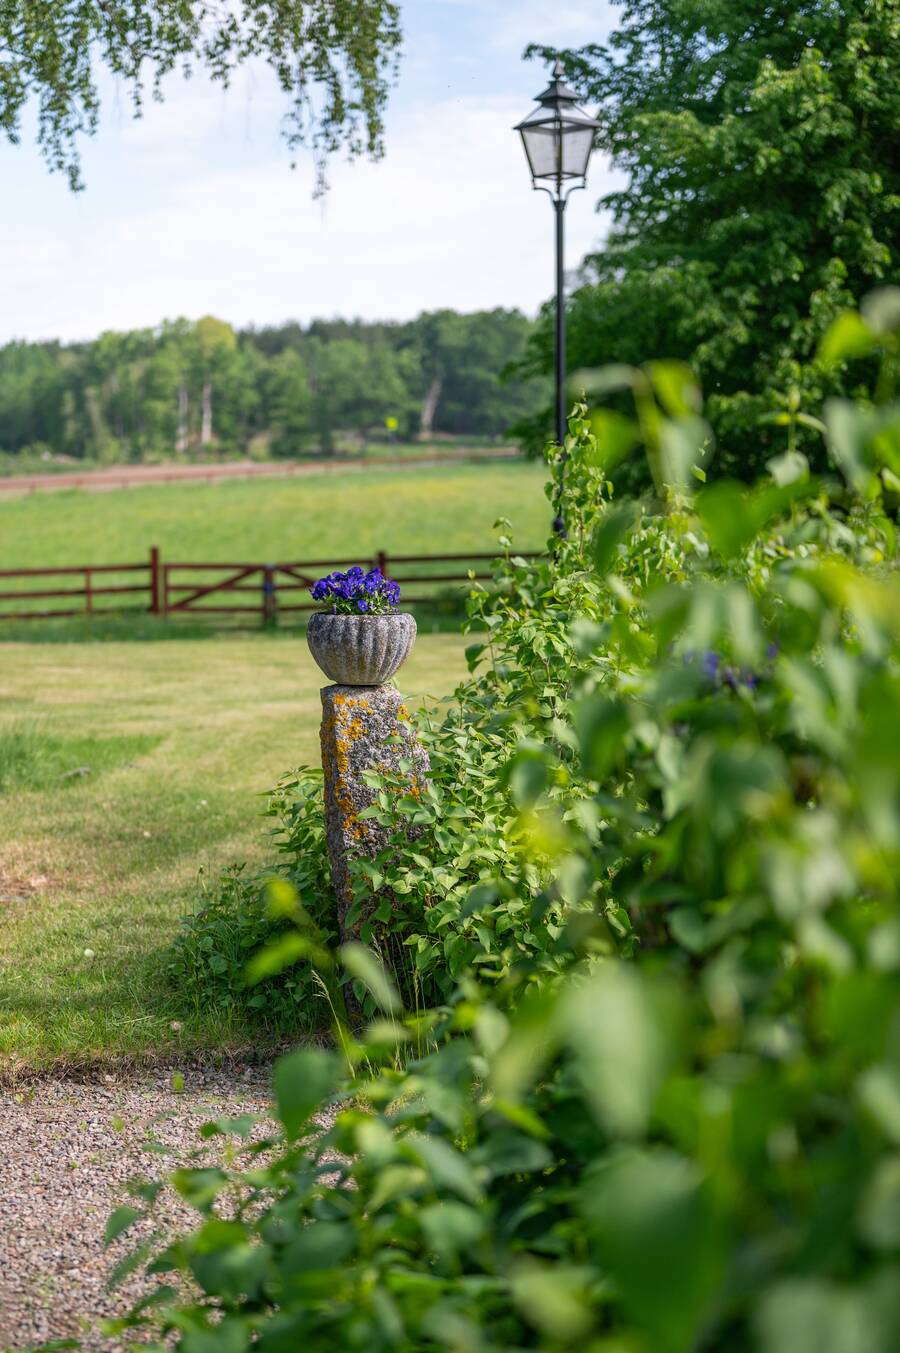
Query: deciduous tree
(333, 60)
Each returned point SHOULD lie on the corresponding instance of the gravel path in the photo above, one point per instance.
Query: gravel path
(67, 1150)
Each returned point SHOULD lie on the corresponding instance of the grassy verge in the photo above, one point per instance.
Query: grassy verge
(171, 745)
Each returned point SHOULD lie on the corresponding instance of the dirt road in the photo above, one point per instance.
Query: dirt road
(138, 476)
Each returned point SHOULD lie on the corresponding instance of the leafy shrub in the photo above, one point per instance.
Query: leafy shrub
(659, 1109)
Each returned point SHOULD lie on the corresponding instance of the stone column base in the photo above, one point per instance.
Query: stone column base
(358, 724)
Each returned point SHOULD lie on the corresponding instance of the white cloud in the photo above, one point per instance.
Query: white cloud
(567, 23)
(447, 218)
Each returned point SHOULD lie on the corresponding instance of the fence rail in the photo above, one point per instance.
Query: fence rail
(171, 589)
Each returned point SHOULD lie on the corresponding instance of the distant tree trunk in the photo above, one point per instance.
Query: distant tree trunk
(429, 406)
(206, 426)
(181, 437)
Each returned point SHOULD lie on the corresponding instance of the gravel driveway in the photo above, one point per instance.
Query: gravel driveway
(67, 1150)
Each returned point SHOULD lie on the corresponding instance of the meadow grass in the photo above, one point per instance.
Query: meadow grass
(348, 513)
(174, 744)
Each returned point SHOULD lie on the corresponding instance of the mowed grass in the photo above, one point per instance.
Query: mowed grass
(346, 514)
(171, 746)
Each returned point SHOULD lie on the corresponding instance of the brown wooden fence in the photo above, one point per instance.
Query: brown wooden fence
(243, 590)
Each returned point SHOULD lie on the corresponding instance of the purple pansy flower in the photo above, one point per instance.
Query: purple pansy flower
(357, 592)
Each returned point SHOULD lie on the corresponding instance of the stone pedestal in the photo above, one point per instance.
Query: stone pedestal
(364, 728)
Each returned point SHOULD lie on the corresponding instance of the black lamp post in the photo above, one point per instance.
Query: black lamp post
(558, 138)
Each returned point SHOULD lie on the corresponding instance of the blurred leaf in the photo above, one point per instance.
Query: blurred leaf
(812, 1315)
(849, 336)
(527, 776)
(302, 1082)
(447, 1167)
(601, 724)
(615, 436)
(605, 380)
(554, 1298)
(684, 445)
(879, 1090)
(362, 963)
(653, 1221)
(199, 1187)
(614, 526)
(281, 954)
(119, 1221)
(879, 1213)
(676, 387)
(789, 467)
(452, 1227)
(881, 310)
(730, 524)
(318, 1245)
(625, 1032)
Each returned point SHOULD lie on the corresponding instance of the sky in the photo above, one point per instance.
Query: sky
(195, 208)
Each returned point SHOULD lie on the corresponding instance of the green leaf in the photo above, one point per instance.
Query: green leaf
(303, 1081)
(318, 1245)
(616, 524)
(451, 1227)
(447, 1167)
(879, 1212)
(657, 1232)
(527, 776)
(360, 962)
(119, 1221)
(728, 519)
(199, 1187)
(879, 1090)
(848, 336)
(601, 724)
(606, 380)
(881, 310)
(282, 953)
(554, 1298)
(625, 1031)
(789, 467)
(615, 436)
(676, 388)
(812, 1315)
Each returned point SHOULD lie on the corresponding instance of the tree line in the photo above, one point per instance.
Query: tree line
(203, 388)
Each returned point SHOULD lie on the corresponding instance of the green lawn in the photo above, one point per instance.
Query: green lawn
(126, 768)
(346, 514)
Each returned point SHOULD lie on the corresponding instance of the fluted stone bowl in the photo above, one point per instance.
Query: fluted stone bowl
(361, 650)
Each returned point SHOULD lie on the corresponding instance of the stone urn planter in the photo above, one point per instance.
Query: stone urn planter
(361, 650)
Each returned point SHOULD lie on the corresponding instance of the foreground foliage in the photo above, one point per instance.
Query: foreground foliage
(649, 1099)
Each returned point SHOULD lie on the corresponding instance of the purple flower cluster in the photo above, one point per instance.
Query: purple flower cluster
(720, 673)
(357, 592)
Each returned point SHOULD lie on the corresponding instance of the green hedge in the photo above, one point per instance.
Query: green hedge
(631, 1076)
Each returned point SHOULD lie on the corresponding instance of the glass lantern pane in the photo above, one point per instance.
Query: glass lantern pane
(542, 149)
(577, 143)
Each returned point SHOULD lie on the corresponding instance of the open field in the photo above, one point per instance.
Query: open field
(127, 769)
(356, 512)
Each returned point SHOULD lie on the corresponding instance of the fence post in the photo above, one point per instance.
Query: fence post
(88, 593)
(154, 580)
(269, 596)
(381, 561)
